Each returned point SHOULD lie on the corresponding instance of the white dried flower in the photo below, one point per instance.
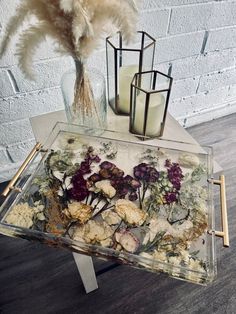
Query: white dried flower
(188, 160)
(153, 230)
(162, 225)
(160, 256)
(129, 212)
(93, 232)
(110, 217)
(21, 215)
(106, 188)
(66, 5)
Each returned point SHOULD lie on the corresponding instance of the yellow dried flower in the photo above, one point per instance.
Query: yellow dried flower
(78, 211)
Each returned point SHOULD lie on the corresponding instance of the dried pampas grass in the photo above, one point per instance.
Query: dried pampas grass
(75, 25)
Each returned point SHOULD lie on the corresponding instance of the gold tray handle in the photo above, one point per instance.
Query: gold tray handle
(31, 155)
(224, 217)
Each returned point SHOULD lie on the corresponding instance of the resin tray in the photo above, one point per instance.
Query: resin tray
(139, 204)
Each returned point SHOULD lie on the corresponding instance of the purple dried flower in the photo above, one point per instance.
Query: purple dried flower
(105, 174)
(134, 184)
(133, 196)
(170, 198)
(97, 159)
(107, 165)
(117, 172)
(175, 174)
(167, 163)
(153, 174)
(94, 178)
(146, 172)
(79, 191)
(140, 171)
(85, 167)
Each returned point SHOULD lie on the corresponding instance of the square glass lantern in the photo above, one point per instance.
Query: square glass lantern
(123, 61)
(150, 93)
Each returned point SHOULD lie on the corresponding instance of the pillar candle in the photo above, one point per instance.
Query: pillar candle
(126, 74)
(154, 117)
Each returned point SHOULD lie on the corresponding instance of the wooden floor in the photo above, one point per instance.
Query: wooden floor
(37, 279)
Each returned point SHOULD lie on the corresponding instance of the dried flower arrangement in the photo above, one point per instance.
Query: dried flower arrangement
(153, 206)
(76, 26)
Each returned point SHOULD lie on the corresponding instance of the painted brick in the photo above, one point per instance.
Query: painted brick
(220, 39)
(203, 64)
(20, 151)
(17, 131)
(183, 88)
(98, 60)
(5, 84)
(232, 92)
(154, 22)
(44, 51)
(192, 18)
(3, 157)
(7, 172)
(162, 67)
(7, 9)
(30, 104)
(47, 74)
(208, 114)
(154, 4)
(196, 103)
(217, 80)
(177, 47)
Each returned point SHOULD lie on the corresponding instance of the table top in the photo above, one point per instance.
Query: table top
(173, 135)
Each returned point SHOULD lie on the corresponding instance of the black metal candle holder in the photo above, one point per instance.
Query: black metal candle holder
(122, 63)
(149, 99)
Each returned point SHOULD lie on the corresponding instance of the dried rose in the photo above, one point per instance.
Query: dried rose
(129, 212)
(105, 187)
(127, 240)
(78, 211)
(110, 217)
(94, 232)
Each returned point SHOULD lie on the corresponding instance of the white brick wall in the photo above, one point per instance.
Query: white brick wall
(196, 43)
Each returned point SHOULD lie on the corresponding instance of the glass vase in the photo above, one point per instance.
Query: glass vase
(93, 114)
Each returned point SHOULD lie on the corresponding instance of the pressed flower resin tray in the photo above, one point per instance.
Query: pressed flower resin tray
(146, 206)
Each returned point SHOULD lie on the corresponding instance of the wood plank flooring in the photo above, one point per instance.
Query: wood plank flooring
(40, 280)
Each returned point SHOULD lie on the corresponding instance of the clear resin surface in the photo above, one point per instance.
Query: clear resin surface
(143, 205)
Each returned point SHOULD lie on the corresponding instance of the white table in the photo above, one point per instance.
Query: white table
(42, 126)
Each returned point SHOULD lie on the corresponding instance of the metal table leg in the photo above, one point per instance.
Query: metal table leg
(86, 270)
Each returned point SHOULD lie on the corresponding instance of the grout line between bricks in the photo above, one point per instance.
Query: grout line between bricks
(204, 42)
(170, 16)
(170, 69)
(9, 156)
(13, 81)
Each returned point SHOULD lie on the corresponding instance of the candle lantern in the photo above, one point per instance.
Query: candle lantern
(123, 61)
(150, 93)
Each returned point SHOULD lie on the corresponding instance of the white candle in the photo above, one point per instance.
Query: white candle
(154, 117)
(126, 74)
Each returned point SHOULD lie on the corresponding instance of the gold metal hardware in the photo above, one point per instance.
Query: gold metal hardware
(31, 155)
(13, 188)
(224, 219)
